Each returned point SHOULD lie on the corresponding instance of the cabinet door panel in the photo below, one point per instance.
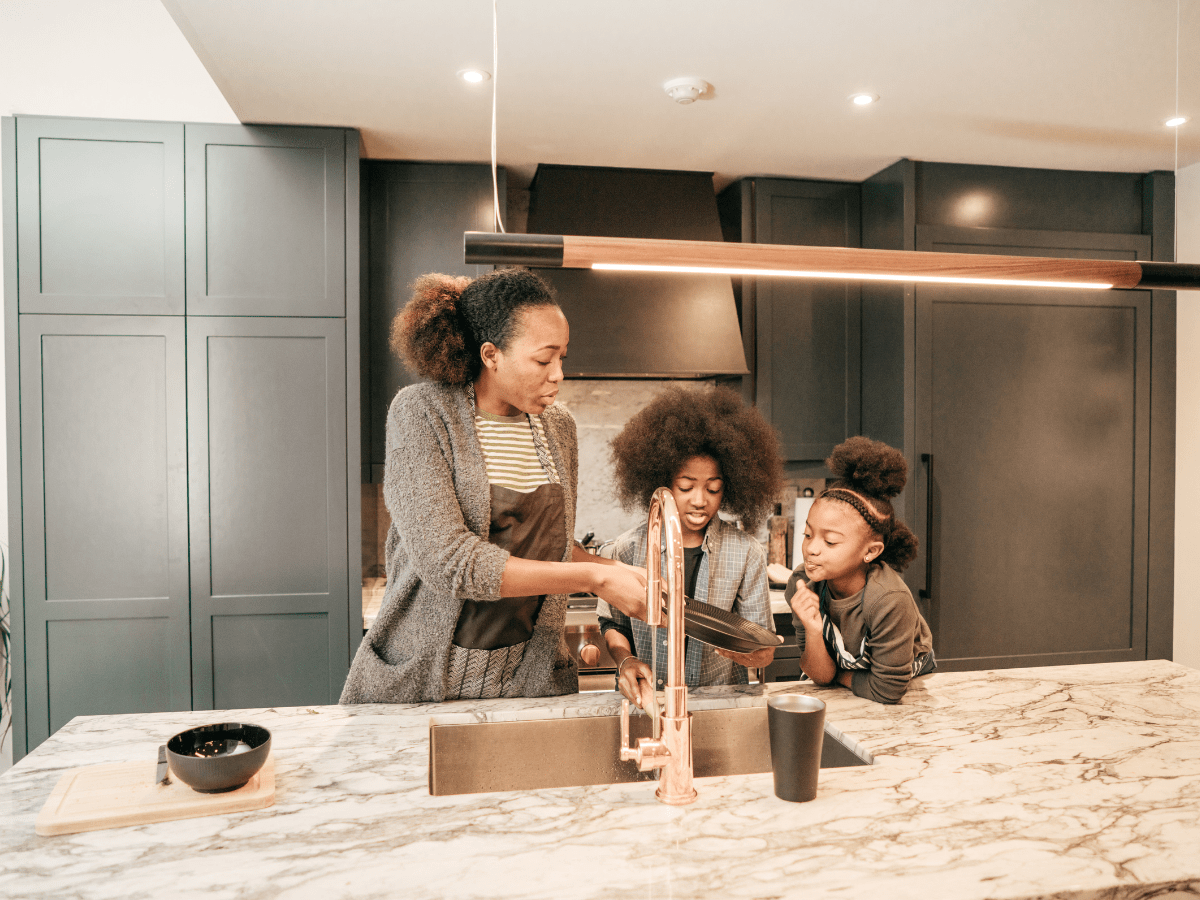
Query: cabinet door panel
(268, 504)
(111, 665)
(808, 371)
(808, 364)
(100, 216)
(266, 228)
(270, 660)
(1029, 405)
(104, 516)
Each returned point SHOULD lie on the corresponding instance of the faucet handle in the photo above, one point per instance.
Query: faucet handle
(648, 754)
(627, 752)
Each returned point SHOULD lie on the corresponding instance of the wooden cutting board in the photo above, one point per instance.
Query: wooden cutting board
(118, 794)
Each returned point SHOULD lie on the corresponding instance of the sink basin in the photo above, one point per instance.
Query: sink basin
(480, 757)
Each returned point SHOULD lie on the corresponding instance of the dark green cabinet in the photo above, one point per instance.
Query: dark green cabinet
(1038, 423)
(100, 217)
(104, 517)
(266, 471)
(803, 335)
(180, 500)
(266, 221)
(1031, 415)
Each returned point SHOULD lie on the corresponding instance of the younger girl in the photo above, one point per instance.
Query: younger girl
(856, 620)
(713, 453)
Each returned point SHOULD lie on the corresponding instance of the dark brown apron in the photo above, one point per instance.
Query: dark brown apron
(529, 526)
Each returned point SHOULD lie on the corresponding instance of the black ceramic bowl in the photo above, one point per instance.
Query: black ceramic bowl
(212, 759)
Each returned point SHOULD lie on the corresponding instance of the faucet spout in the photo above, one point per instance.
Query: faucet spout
(672, 751)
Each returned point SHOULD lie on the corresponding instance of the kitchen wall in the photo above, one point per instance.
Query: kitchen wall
(601, 407)
(1187, 429)
(120, 59)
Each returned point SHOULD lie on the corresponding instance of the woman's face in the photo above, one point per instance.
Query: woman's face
(525, 377)
(697, 488)
(837, 542)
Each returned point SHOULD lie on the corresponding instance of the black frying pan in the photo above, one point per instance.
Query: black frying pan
(718, 628)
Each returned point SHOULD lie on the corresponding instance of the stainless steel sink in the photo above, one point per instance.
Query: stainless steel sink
(479, 757)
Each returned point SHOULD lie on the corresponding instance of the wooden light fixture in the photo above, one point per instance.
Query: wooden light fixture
(785, 260)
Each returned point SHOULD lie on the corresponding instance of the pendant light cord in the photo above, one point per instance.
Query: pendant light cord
(1175, 204)
(495, 78)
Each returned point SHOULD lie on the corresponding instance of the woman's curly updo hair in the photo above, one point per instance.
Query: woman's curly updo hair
(681, 423)
(868, 474)
(440, 330)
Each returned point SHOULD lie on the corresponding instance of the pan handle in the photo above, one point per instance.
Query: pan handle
(926, 593)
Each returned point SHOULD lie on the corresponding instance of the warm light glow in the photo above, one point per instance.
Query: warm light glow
(863, 99)
(474, 76)
(848, 276)
(1175, 122)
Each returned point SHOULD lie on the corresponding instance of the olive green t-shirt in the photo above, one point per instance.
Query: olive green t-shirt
(886, 611)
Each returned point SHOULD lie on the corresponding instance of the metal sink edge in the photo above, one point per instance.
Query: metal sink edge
(533, 754)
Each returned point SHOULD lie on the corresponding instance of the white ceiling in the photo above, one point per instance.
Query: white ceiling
(1082, 84)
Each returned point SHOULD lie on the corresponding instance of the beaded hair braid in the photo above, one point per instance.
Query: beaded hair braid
(868, 472)
(879, 526)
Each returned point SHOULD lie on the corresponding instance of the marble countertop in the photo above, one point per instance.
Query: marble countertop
(1074, 781)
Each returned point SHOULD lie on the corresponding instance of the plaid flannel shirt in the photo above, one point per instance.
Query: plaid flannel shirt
(732, 575)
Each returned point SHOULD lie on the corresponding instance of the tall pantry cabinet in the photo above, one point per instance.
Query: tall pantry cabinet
(182, 505)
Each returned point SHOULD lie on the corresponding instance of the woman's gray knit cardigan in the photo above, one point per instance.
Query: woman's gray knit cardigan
(436, 489)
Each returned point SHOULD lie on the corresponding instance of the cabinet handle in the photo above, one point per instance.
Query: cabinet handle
(926, 593)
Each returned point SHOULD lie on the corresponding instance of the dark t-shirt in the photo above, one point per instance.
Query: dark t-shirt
(691, 569)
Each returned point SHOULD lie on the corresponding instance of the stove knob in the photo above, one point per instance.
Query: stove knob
(589, 654)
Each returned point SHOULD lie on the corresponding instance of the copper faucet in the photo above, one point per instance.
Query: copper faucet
(672, 752)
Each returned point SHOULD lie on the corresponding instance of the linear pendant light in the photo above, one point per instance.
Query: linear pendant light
(786, 260)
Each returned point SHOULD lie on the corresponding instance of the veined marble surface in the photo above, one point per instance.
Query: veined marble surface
(1073, 781)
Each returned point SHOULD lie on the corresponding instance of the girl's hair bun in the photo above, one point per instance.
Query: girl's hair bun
(869, 467)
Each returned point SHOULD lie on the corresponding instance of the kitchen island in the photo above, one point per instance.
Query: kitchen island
(1074, 781)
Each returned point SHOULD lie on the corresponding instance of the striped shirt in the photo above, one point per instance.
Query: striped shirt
(510, 452)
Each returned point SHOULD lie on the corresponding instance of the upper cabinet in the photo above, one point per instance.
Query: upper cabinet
(266, 221)
(801, 336)
(179, 447)
(100, 212)
(103, 227)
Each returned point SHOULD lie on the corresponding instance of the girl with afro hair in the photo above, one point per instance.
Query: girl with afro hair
(856, 621)
(713, 452)
(480, 480)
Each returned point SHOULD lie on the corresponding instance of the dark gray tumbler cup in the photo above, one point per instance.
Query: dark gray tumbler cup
(796, 724)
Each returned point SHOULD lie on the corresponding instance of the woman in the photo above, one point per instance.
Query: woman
(712, 452)
(480, 481)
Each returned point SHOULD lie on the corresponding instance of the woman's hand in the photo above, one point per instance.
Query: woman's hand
(623, 587)
(807, 607)
(635, 682)
(757, 660)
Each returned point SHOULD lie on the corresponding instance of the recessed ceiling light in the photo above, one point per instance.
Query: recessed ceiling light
(863, 99)
(1175, 122)
(474, 76)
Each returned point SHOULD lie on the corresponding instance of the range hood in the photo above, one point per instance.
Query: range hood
(645, 325)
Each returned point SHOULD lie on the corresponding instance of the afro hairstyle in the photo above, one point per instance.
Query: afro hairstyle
(681, 423)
